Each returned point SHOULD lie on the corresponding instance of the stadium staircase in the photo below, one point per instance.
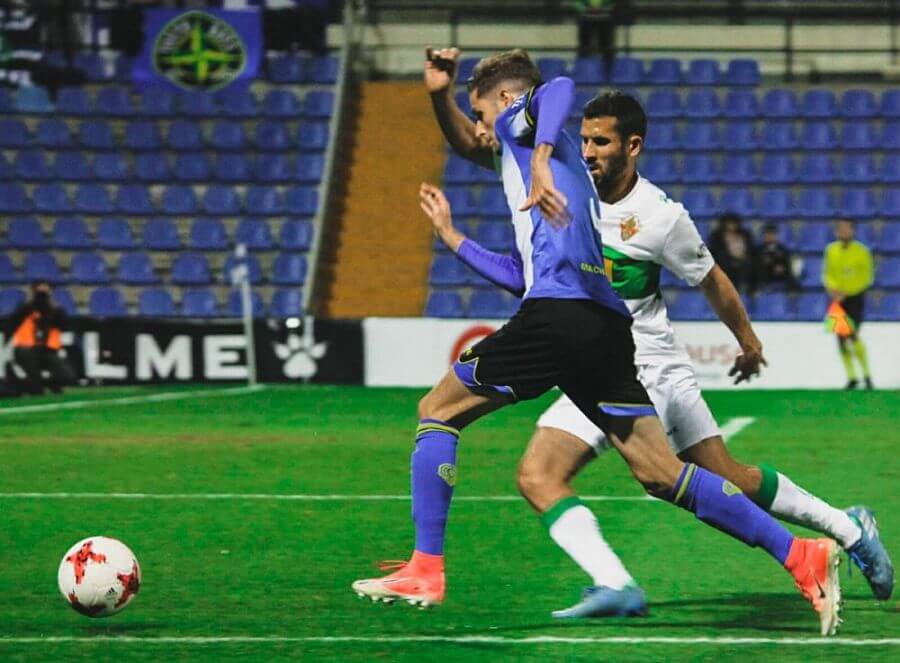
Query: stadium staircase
(381, 249)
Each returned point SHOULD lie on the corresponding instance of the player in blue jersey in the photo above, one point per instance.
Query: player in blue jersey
(571, 331)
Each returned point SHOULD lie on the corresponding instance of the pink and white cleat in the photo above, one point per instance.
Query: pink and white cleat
(419, 582)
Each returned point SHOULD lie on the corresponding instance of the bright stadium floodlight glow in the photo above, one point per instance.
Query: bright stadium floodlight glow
(292, 323)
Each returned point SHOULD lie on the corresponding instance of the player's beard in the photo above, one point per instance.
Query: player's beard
(615, 169)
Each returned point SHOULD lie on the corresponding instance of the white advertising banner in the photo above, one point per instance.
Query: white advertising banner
(416, 352)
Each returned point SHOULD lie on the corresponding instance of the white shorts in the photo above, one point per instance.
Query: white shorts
(675, 395)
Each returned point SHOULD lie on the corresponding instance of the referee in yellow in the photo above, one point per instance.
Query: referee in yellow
(848, 271)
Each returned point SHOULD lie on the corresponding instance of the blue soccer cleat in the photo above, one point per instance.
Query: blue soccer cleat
(607, 602)
(870, 555)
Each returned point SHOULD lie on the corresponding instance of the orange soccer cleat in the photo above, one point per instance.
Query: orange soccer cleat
(814, 565)
(419, 582)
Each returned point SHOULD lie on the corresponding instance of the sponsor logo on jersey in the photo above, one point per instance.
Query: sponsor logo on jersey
(629, 228)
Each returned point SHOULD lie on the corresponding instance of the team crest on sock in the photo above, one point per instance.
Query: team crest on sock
(447, 472)
(730, 489)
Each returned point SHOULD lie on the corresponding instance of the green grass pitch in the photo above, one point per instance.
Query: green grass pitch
(271, 577)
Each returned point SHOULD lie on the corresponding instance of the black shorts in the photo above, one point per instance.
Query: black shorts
(855, 307)
(577, 345)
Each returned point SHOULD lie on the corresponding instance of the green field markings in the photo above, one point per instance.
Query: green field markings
(275, 497)
(735, 425)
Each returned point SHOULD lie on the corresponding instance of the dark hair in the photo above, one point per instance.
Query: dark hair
(770, 228)
(514, 65)
(630, 117)
(37, 284)
(730, 216)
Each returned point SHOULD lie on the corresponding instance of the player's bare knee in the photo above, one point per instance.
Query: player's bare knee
(533, 480)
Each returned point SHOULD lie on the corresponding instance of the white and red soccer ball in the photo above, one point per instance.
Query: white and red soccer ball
(99, 576)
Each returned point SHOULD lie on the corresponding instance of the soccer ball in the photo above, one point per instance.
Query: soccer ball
(99, 576)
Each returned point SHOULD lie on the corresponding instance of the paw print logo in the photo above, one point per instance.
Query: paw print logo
(300, 353)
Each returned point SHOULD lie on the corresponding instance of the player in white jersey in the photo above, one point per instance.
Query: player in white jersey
(643, 230)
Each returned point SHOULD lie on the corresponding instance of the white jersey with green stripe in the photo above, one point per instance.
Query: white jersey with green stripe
(642, 233)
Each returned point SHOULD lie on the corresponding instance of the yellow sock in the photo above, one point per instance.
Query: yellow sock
(847, 359)
(862, 355)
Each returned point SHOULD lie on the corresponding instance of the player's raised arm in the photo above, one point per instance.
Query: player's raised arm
(441, 67)
(501, 270)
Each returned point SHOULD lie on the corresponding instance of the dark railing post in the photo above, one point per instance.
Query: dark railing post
(789, 49)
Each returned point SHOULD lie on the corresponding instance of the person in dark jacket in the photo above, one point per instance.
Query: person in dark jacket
(772, 265)
(732, 247)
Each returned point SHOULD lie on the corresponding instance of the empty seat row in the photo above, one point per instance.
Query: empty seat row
(179, 200)
(158, 234)
(34, 165)
(180, 135)
(158, 302)
(137, 269)
(778, 306)
(482, 304)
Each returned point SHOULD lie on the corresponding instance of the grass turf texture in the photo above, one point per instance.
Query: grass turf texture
(264, 568)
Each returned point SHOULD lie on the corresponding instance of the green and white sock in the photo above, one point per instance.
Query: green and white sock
(787, 501)
(574, 528)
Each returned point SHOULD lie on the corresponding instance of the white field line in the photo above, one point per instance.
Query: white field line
(296, 497)
(129, 400)
(460, 639)
(734, 426)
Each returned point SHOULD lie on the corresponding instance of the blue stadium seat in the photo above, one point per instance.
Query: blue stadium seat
(228, 136)
(814, 237)
(158, 101)
(92, 65)
(295, 235)
(858, 204)
(889, 239)
(64, 299)
(281, 103)
(701, 137)
(178, 200)
(33, 99)
(238, 102)
(272, 168)
(10, 299)
(156, 303)
(447, 270)
(14, 133)
(742, 71)
(289, 269)
(143, 135)
(865, 233)
(192, 167)
(819, 136)
(859, 169)
(444, 304)
(551, 68)
(288, 69)
(664, 104)
(703, 72)
(660, 169)
(221, 200)
(114, 234)
(25, 233)
(123, 67)
(272, 136)
(819, 105)
(184, 135)
(779, 136)
(301, 201)
(700, 169)
(318, 104)
(199, 303)
(14, 199)
(287, 304)
(661, 137)
(739, 169)
(462, 100)
(137, 269)
(198, 104)
(664, 71)
(859, 104)
(32, 165)
(738, 200)
(309, 169)
(811, 306)
(890, 136)
(890, 104)
(460, 171)
(585, 71)
(817, 169)
(254, 234)
(42, 267)
(73, 101)
(8, 271)
(741, 105)
(741, 136)
(312, 137)
(627, 71)
(496, 236)
(815, 204)
(6, 170)
(51, 133)
(96, 134)
(70, 166)
(111, 166)
(890, 203)
(6, 102)
(887, 307)
(773, 306)
(254, 270)
(264, 201)
(92, 199)
(887, 274)
(51, 199)
(702, 104)
(234, 306)
(777, 204)
(190, 269)
(492, 304)
(778, 169)
(465, 68)
(107, 303)
(690, 305)
(700, 203)
(151, 167)
(71, 233)
(493, 202)
(859, 136)
(134, 199)
(325, 70)
(113, 101)
(208, 235)
(233, 168)
(780, 104)
(89, 268)
(161, 235)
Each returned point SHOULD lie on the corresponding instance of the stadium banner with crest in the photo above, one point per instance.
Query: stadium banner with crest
(201, 50)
